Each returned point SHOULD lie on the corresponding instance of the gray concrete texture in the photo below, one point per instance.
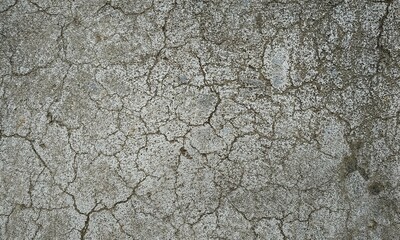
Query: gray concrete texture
(174, 119)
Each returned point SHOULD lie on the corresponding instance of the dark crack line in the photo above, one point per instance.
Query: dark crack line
(382, 50)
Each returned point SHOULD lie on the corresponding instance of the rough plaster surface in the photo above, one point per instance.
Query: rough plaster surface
(199, 119)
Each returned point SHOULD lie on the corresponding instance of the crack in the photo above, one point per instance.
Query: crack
(382, 50)
(9, 7)
(83, 231)
(41, 9)
(121, 10)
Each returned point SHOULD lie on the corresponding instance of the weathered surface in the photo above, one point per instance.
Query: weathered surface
(199, 119)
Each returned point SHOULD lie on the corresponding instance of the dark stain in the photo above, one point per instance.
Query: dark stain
(76, 21)
(185, 153)
(372, 224)
(356, 146)
(334, 3)
(49, 116)
(259, 21)
(375, 188)
(350, 164)
(98, 37)
(251, 67)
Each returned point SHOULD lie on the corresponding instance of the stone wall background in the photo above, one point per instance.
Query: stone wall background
(236, 119)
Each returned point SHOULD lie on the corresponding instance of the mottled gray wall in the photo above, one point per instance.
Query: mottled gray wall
(165, 119)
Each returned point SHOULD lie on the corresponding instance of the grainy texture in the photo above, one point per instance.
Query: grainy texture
(199, 119)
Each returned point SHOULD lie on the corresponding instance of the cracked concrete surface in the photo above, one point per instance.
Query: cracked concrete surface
(170, 119)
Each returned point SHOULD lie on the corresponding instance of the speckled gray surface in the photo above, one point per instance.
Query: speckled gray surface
(199, 119)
